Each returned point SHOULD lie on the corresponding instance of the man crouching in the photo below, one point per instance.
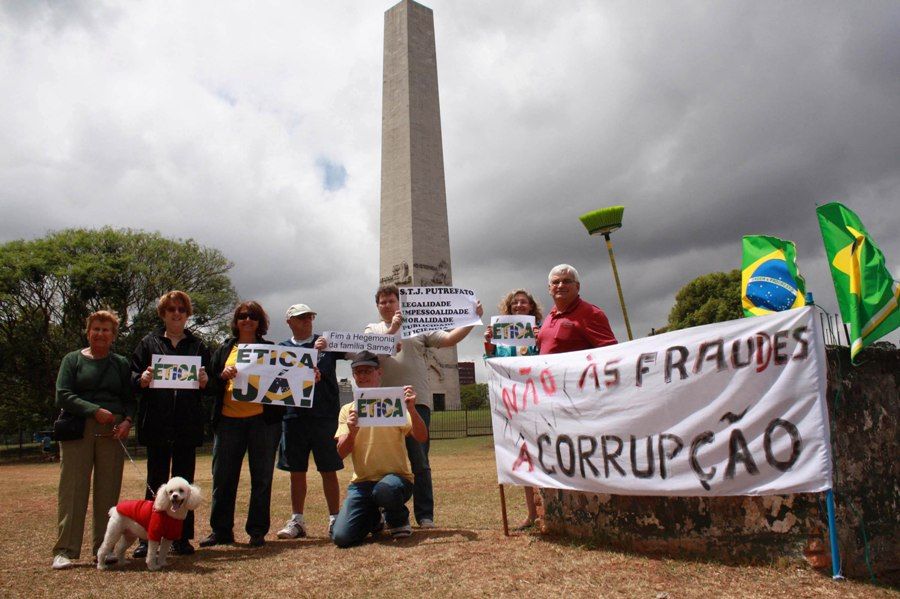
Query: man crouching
(382, 478)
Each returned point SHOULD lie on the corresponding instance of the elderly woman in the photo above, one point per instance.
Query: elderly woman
(170, 421)
(241, 428)
(519, 303)
(93, 383)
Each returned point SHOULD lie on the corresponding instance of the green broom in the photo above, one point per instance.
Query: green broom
(603, 222)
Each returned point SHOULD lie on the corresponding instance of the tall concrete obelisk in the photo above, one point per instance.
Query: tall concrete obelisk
(415, 240)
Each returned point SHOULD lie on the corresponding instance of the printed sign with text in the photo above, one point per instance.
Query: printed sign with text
(513, 330)
(275, 374)
(175, 372)
(380, 406)
(427, 309)
(357, 342)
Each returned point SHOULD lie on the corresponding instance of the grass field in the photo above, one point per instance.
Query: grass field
(466, 556)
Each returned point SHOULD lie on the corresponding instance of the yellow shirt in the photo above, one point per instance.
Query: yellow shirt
(377, 450)
(231, 407)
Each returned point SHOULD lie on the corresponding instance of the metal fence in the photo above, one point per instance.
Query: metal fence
(453, 424)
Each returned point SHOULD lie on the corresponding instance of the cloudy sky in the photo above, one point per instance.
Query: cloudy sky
(255, 128)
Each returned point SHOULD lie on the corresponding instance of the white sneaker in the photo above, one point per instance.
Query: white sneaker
(61, 562)
(426, 523)
(400, 532)
(292, 530)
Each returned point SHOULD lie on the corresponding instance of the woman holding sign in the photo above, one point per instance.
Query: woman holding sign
(94, 390)
(517, 303)
(240, 428)
(170, 414)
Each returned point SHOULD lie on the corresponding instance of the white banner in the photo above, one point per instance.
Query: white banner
(380, 406)
(175, 372)
(275, 374)
(357, 342)
(436, 309)
(513, 330)
(734, 408)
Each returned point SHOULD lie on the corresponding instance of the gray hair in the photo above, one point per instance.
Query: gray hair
(561, 269)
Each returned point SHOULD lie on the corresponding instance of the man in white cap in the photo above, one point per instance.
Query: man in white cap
(306, 430)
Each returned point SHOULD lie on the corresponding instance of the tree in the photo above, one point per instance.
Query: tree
(49, 286)
(473, 397)
(714, 297)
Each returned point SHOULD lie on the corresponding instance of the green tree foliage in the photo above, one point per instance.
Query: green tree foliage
(714, 297)
(48, 287)
(472, 397)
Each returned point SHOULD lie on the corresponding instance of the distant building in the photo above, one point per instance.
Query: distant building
(346, 391)
(466, 373)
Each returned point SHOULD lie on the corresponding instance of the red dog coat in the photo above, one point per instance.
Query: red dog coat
(158, 525)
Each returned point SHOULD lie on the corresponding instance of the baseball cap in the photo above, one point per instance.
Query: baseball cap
(364, 358)
(299, 310)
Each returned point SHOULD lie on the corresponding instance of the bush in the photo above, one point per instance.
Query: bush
(473, 397)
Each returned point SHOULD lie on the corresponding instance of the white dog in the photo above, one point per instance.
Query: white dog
(158, 522)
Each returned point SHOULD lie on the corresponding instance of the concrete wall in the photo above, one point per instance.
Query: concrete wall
(863, 404)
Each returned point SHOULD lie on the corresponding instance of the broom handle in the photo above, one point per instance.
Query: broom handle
(612, 260)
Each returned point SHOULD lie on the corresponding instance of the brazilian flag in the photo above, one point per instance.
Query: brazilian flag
(866, 291)
(770, 279)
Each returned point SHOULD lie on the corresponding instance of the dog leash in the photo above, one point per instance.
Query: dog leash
(122, 443)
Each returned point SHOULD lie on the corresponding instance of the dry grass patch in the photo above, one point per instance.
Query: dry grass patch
(466, 556)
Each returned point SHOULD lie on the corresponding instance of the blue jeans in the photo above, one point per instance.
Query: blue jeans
(359, 515)
(234, 438)
(423, 494)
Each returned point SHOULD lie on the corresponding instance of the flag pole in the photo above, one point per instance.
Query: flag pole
(832, 537)
(503, 511)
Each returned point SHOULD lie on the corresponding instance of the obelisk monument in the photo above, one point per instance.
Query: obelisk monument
(415, 240)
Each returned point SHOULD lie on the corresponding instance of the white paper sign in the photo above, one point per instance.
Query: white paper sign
(436, 309)
(357, 342)
(380, 406)
(275, 374)
(175, 372)
(734, 408)
(513, 330)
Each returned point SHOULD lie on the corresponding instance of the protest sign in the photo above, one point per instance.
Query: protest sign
(380, 406)
(175, 372)
(513, 330)
(357, 342)
(734, 408)
(427, 309)
(275, 374)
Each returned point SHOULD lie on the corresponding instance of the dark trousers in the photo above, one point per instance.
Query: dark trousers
(423, 494)
(234, 438)
(165, 461)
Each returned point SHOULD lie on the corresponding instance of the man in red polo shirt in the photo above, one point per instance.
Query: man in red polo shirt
(573, 324)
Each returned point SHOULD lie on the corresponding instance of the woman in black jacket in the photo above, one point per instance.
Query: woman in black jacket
(241, 428)
(170, 421)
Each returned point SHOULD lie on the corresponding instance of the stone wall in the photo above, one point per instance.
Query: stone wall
(863, 404)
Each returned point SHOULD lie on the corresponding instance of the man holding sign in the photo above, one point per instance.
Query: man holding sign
(573, 324)
(382, 479)
(408, 367)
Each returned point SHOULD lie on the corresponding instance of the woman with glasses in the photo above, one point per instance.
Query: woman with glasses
(93, 385)
(520, 303)
(241, 428)
(170, 421)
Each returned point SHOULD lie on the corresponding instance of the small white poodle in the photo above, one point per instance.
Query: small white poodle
(158, 522)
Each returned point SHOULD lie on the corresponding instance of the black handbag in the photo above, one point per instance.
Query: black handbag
(68, 427)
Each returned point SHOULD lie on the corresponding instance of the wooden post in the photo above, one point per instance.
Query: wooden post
(503, 511)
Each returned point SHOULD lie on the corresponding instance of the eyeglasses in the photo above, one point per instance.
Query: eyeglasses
(561, 282)
(180, 309)
(247, 316)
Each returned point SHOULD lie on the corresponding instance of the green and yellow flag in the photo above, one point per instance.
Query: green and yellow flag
(770, 279)
(866, 292)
